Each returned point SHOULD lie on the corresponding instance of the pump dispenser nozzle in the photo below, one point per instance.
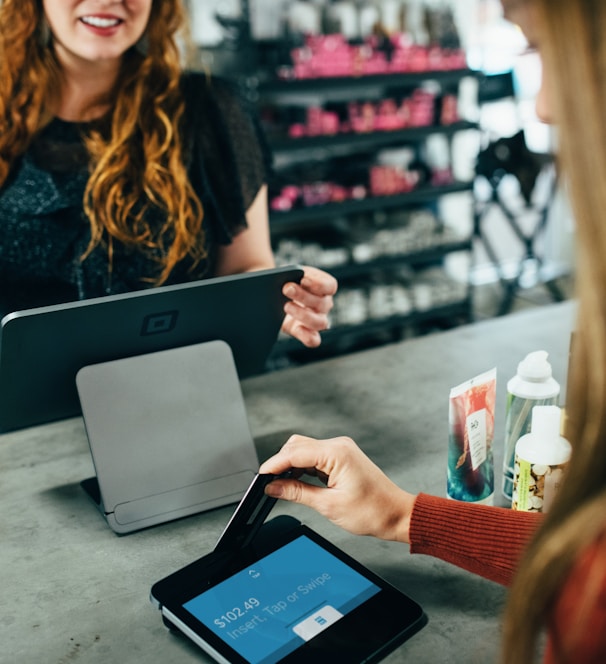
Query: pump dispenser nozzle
(546, 422)
(535, 367)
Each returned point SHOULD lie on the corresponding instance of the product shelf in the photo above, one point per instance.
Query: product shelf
(275, 86)
(386, 263)
(388, 296)
(370, 139)
(349, 333)
(283, 221)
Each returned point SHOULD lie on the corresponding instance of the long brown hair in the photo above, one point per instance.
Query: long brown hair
(572, 44)
(140, 165)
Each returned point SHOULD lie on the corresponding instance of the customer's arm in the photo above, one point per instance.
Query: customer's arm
(359, 497)
(485, 540)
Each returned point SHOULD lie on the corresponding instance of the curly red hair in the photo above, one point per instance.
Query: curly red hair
(140, 165)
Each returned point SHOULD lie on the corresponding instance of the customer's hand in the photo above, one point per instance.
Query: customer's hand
(357, 495)
(309, 305)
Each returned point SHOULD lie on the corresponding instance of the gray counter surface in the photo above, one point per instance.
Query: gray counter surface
(73, 591)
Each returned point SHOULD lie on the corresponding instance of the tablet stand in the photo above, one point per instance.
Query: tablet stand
(168, 434)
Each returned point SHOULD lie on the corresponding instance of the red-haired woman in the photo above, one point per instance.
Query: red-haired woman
(119, 170)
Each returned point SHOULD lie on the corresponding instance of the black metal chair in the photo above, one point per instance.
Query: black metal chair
(507, 157)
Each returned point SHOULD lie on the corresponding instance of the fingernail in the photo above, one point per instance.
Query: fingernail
(290, 291)
(274, 490)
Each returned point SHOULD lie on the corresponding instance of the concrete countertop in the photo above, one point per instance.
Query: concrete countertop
(73, 591)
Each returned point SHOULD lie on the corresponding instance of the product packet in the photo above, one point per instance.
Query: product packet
(470, 475)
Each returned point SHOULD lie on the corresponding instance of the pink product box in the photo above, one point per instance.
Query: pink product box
(320, 122)
(386, 115)
(449, 112)
(441, 177)
(316, 193)
(321, 193)
(332, 55)
(390, 180)
(286, 199)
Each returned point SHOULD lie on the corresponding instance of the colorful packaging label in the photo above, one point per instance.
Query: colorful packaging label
(470, 471)
(478, 441)
(517, 424)
(535, 485)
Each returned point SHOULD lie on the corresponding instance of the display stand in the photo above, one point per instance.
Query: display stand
(168, 434)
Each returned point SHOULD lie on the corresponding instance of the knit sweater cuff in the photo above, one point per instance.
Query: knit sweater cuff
(487, 541)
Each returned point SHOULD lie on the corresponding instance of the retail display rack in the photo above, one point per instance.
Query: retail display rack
(385, 243)
(354, 190)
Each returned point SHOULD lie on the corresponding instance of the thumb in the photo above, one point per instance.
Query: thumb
(294, 491)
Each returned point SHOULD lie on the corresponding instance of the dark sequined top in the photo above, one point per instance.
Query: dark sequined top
(44, 231)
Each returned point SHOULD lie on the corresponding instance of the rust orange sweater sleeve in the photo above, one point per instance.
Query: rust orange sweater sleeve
(487, 541)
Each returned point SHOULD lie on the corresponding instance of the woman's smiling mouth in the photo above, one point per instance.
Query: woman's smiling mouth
(101, 22)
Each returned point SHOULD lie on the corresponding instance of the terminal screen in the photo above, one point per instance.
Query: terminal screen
(271, 608)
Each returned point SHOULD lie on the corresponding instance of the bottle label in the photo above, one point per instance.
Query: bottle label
(535, 485)
(518, 418)
(476, 435)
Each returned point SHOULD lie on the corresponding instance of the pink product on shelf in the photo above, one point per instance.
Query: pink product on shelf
(361, 117)
(441, 177)
(455, 59)
(418, 59)
(280, 204)
(387, 115)
(286, 199)
(297, 130)
(332, 55)
(391, 180)
(316, 193)
(330, 44)
(421, 109)
(291, 192)
(320, 122)
(449, 113)
(338, 193)
(358, 192)
(417, 110)
(376, 64)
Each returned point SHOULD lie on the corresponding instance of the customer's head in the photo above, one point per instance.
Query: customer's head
(569, 36)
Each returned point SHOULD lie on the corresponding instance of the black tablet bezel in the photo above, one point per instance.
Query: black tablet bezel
(42, 349)
(366, 634)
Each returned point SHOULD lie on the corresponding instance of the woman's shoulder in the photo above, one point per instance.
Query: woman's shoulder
(579, 620)
(205, 88)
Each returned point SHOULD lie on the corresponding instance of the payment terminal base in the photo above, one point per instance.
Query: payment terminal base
(168, 434)
(335, 627)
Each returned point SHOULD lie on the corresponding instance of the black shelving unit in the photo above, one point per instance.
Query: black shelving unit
(317, 214)
(315, 221)
(274, 86)
(375, 139)
(430, 255)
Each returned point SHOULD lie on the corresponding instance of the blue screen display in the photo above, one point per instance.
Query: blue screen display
(270, 609)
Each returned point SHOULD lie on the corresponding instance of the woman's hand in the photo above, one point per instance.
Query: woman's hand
(309, 305)
(357, 495)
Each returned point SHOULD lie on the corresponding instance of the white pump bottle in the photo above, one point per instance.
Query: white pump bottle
(541, 457)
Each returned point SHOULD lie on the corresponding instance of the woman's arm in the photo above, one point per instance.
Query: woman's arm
(358, 497)
(310, 302)
(250, 249)
(488, 541)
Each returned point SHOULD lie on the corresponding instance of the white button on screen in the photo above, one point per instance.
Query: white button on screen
(317, 622)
